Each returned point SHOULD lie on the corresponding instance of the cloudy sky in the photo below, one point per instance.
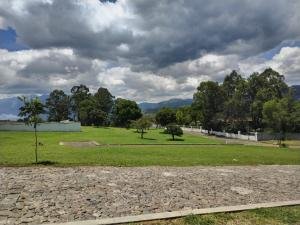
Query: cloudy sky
(140, 49)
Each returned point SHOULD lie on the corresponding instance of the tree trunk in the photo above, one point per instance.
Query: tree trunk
(142, 134)
(173, 137)
(36, 145)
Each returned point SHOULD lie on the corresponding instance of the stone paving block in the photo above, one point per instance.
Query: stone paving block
(53, 194)
(9, 201)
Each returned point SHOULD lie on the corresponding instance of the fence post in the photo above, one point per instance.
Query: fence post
(256, 136)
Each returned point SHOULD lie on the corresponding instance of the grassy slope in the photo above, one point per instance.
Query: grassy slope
(16, 148)
(270, 216)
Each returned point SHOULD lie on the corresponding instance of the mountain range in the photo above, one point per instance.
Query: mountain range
(172, 103)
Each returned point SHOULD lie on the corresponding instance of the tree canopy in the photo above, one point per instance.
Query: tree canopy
(209, 101)
(58, 105)
(124, 111)
(165, 116)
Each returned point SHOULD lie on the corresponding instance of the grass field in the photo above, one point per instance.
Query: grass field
(290, 143)
(270, 216)
(17, 148)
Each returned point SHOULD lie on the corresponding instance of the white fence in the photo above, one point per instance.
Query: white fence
(255, 137)
(48, 126)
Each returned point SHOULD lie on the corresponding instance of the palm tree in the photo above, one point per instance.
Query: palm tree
(31, 111)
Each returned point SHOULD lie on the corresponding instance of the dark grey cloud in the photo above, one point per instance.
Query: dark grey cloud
(155, 33)
(145, 50)
(41, 71)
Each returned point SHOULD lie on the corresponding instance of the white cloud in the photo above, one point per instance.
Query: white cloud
(2, 23)
(151, 35)
(286, 62)
(144, 50)
(40, 71)
(8, 117)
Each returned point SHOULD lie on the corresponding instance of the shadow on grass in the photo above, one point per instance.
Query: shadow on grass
(137, 132)
(176, 139)
(102, 127)
(151, 139)
(45, 163)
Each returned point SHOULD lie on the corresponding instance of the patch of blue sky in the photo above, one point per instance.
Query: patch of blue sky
(288, 43)
(9, 40)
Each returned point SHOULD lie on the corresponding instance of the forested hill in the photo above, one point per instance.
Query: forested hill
(9, 107)
(172, 103)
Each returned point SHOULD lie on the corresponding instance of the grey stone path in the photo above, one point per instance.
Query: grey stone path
(31, 195)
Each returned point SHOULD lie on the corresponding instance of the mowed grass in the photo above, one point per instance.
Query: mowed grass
(290, 143)
(268, 216)
(17, 148)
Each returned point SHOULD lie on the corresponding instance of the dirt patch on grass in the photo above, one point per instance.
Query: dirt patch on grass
(79, 144)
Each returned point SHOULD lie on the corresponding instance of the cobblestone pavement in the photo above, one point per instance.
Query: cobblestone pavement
(30, 195)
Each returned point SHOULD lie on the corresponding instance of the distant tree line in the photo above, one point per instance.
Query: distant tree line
(260, 102)
(99, 109)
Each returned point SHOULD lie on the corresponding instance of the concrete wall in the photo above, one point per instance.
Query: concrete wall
(49, 126)
(255, 137)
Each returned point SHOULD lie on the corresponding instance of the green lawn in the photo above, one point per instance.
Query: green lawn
(268, 216)
(17, 148)
(290, 143)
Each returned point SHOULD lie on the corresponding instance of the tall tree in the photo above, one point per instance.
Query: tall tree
(104, 100)
(237, 102)
(58, 104)
(125, 111)
(78, 94)
(295, 117)
(277, 116)
(264, 87)
(183, 115)
(85, 111)
(231, 83)
(208, 101)
(31, 111)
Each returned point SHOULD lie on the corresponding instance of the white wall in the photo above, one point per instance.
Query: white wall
(222, 134)
(255, 137)
(49, 126)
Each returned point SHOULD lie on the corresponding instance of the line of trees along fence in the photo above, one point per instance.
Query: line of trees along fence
(261, 103)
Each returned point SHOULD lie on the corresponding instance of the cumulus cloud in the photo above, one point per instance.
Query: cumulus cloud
(286, 62)
(144, 85)
(154, 34)
(40, 71)
(144, 50)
